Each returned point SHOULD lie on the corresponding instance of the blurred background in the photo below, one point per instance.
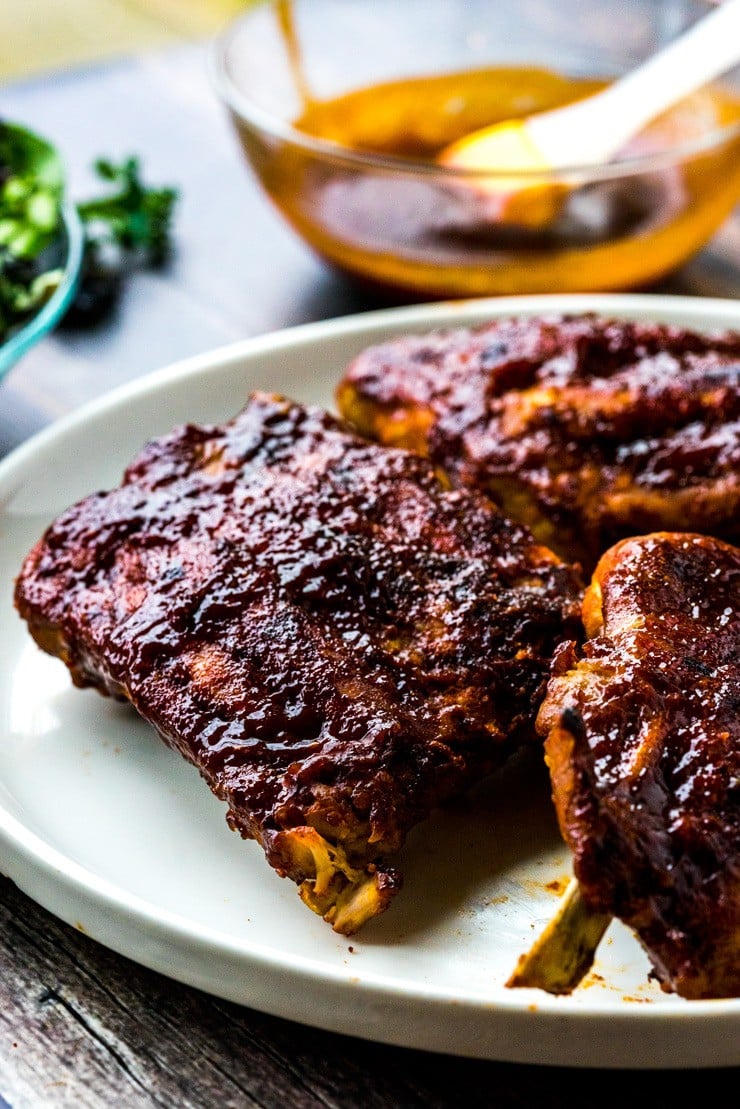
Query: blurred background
(36, 35)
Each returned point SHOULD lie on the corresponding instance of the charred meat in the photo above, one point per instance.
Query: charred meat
(584, 428)
(643, 746)
(334, 639)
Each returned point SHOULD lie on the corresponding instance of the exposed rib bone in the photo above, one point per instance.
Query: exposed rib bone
(564, 953)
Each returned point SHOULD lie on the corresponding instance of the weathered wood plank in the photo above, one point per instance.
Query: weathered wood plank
(81, 1026)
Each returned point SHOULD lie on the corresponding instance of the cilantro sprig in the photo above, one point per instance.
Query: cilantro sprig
(128, 228)
(133, 217)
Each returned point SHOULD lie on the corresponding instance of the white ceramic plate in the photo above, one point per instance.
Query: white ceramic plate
(111, 831)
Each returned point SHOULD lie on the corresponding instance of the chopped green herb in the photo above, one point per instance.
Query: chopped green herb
(31, 190)
(128, 228)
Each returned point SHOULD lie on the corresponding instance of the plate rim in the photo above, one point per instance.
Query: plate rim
(620, 304)
(47, 875)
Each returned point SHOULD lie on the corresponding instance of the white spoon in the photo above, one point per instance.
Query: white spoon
(591, 131)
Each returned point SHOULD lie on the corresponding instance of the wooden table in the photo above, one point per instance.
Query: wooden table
(79, 1025)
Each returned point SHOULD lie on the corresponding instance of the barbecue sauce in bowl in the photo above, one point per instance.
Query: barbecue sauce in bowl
(359, 182)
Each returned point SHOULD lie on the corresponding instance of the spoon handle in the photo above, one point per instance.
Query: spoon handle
(709, 48)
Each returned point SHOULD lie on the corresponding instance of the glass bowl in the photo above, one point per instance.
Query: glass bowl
(65, 253)
(354, 172)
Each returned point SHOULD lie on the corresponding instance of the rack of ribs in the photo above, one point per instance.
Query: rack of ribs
(584, 428)
(337, 641)
(642, 727)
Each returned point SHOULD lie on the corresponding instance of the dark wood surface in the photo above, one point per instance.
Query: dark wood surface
(79, 1025)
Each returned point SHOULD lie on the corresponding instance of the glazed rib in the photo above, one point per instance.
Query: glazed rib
(642, 731)
(337, 642)
(584, 428)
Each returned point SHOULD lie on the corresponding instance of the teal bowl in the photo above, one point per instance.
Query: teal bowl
(66, 253)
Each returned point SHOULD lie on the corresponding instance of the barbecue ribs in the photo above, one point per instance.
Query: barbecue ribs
(643, 745)
(336, 641)
(584, 428)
